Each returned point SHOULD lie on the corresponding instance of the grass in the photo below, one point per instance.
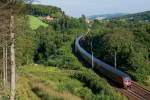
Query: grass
(147, 81)
(24, 90)
(36, 22)
(37, 82)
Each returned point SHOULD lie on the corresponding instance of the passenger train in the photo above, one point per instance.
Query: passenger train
(110, 72)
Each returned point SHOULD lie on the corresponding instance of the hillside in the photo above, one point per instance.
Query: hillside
(44, 83)
(130, 40)
(36, 22)
(47, 69)
(142, 16)
(36, 82)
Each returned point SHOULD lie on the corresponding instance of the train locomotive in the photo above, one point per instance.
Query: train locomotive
(110, 72)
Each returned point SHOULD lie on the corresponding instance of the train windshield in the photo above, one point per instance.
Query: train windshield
(127, 78)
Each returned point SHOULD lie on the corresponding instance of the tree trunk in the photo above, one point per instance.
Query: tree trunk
(13, 63)
(4, 71)
(6, 61)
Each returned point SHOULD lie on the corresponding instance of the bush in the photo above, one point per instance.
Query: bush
(99, 86)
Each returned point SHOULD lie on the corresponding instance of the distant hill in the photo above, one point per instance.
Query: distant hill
(142, 16)
(106, 16)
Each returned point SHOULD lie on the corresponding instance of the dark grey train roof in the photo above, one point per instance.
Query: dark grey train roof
(108, 67)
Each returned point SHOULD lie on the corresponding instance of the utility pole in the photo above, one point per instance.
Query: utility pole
(75, 45)
(92, 54)
(115, 63)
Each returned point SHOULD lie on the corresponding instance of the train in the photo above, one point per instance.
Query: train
(119, 77)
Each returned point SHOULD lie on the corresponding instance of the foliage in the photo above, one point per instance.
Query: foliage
(38, 82)
(98, 85)
(25, 44)
(43, 82)
(42, 10)
(130, 40)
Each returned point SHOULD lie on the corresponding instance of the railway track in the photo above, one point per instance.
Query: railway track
(139, 91)
(136, 92)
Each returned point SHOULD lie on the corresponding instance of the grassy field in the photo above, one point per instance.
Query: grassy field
(36, 22)
(36, 82)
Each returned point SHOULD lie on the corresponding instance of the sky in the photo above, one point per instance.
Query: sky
(76, 8)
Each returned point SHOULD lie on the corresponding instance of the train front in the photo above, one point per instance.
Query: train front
(127, 82)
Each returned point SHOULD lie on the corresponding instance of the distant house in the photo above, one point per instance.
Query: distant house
(48, 18)
(87, 20)
(100, 18)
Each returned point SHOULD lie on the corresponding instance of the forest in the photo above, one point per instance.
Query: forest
(129, 39)
(142, 16)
